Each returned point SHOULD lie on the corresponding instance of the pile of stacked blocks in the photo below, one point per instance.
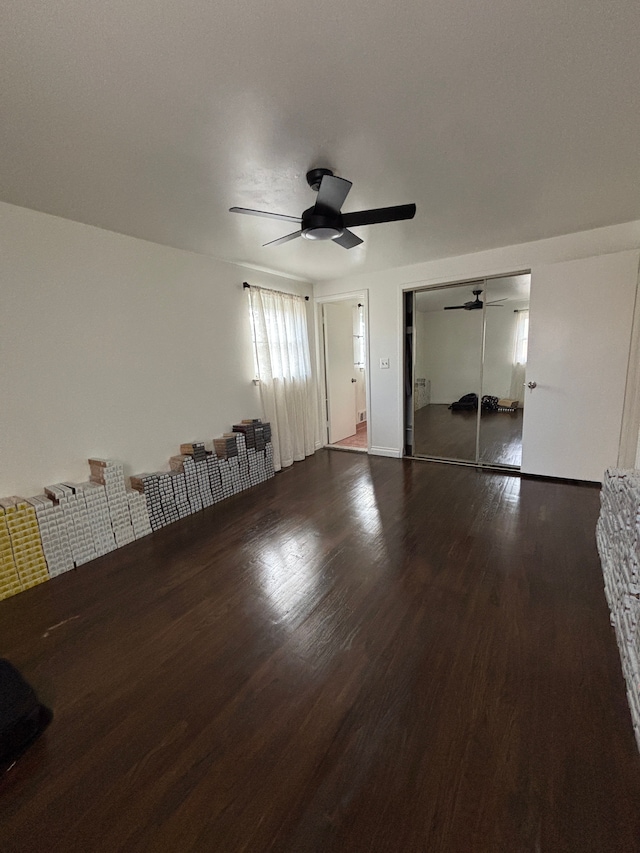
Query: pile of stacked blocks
(72, 523)
(618, 537)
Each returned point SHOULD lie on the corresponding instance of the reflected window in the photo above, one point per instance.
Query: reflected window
(522, 337)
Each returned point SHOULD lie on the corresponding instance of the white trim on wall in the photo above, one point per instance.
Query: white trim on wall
(386, 451)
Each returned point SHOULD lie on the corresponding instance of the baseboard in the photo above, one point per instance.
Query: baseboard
(386, 451)
(568, 480)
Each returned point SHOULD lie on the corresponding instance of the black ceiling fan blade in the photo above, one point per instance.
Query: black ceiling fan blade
(264, 213)
(332, 193)
(284, 239)
(348, 240)
(455, 307)
(379, 214)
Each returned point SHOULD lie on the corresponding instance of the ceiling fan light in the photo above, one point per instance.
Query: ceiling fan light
(322, 233)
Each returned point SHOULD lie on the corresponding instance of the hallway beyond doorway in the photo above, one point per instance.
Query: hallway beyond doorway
(357, 441)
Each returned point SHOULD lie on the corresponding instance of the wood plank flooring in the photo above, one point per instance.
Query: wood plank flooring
(363, 654)
(446, 434)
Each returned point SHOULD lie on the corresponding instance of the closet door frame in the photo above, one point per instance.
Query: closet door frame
(410, 374)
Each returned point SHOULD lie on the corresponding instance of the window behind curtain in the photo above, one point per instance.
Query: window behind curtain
(283, 365)
(279, 334)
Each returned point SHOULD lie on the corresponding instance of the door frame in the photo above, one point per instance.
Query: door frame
(413, 288)
(318, 302)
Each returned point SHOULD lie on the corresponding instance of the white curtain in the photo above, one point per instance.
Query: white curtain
(283, 365)
(520, 356)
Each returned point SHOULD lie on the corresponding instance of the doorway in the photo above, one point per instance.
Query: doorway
(343, 324)
(465, 370)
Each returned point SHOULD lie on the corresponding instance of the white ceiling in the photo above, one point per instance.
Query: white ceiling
(504, 121)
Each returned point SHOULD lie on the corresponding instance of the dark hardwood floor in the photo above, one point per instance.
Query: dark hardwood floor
(441, 432)
(363, 654)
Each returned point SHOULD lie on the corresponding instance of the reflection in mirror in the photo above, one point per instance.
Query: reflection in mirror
(505, 355)
(468, 388)
(447, 369)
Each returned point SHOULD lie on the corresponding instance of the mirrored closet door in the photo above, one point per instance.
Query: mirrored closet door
(467, 370)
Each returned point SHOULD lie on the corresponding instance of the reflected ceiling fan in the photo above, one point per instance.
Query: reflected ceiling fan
(325, 221)
(476, 304)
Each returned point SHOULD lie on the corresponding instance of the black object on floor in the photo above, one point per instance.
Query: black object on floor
(466, 403)
(22, 717)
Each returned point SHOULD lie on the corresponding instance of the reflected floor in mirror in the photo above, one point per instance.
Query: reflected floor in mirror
(441, 432)
(361, 655)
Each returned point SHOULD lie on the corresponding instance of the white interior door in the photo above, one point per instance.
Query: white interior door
(341, 388)
(581, 314)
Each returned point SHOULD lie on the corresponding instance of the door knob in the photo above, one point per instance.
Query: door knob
(354, 380)
(532, 385)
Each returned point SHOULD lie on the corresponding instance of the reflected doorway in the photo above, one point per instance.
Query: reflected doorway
(466, 360)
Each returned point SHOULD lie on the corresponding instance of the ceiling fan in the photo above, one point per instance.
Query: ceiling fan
(325, 221)
(476, 304)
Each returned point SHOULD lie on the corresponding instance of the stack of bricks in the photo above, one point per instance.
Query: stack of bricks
(73, 523)
(22, 526)
(226, 449)
(179, 482)
(259, 449)
(148, 485)
(618, 538)
(138, 513)
(77, 506)
(9, 578)
(204, 483)
(167, 497)
(110, 474)
(74, 512)
(215, 481)
(268, 460)
(243, 458)
(225, 478)
(95, 497)
(195, 449)
(184, 464)
(54, 535)
(226, 446)
(234, 473)
(196, 468)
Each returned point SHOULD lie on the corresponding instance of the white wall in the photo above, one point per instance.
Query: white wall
(385, 305)
(113, 346)
(449, 350)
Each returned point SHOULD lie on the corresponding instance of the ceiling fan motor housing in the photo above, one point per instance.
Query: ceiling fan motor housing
(321, 226)
(315, 176)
